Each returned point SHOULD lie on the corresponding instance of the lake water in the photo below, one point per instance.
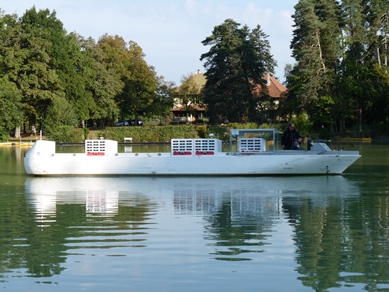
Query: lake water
(320, 233)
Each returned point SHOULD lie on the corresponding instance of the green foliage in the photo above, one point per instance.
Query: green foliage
(223, 132)
(243, 125)
(35, 74)
(86, 133)
(307, 50)
(10, 105)
(107, 69)
(202, 121)
(303, 124)
(79, 75)
(163, 104)
(324, 109)
(59, 113)
(377, 110)
(150, 134)
(202, 131)
(3, 135)
(219, 132)
(67, 134)
(140, 83)
(277, 126)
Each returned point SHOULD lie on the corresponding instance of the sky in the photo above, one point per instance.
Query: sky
(170, 32)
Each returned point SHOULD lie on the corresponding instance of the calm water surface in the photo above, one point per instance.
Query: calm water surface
(195, 234)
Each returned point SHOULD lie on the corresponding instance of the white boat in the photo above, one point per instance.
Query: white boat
(248, 155)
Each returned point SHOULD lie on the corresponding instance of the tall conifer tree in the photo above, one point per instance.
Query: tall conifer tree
(307, 78)
(235, 65)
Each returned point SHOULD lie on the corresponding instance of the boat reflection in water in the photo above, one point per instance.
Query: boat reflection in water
(186, 195)
(46, 194)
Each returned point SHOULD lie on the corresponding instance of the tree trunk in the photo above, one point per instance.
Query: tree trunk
(17, 132)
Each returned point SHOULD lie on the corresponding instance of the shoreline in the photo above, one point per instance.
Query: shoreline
(14, 143)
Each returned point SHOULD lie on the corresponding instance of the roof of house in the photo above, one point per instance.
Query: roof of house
(274, 87)
(192, 106)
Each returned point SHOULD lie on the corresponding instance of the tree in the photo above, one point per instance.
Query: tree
(307, 50)
(164, 102)
(108, 70)
(32, 69)
(325, 112)
(355, 63)
(377, 111)
(10, 96)
(141, 85)
(315, 83)
(10, 107)
(82, 77)
(190, 90)
(376, 18)
(235, 65)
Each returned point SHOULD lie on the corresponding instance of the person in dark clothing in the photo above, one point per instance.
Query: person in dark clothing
(297, 144)
(289, 136)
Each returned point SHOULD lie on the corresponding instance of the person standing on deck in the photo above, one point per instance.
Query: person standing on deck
(289, 136)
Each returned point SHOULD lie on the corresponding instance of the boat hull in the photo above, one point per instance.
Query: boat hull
(272, 163)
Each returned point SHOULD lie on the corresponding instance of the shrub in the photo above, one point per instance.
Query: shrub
(303, 124)
(3, 135)
(202, 131)
(67, 134)
(149, 134)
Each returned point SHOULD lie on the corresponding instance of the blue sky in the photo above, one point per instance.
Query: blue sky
(170, 31)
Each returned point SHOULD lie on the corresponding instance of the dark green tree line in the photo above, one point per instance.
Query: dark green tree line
(340, 71)
(51, 79)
